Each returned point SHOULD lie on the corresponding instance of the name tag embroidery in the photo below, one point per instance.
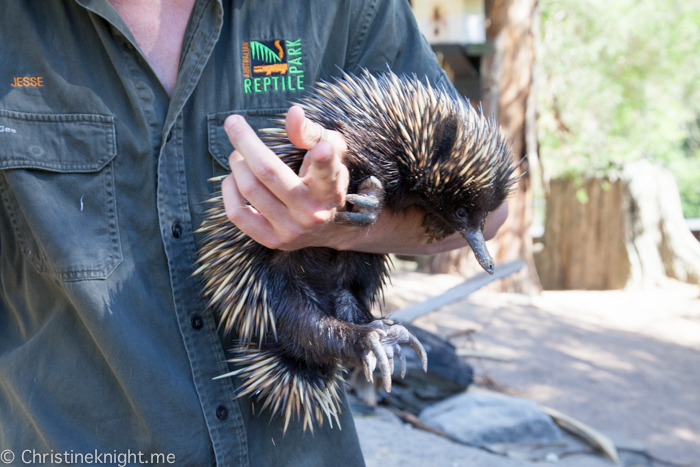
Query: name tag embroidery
(27, 82)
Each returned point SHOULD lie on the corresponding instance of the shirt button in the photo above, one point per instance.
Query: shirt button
(170, 135)
(221, 413)
(129, 46)
(197, 322)
(177, 230)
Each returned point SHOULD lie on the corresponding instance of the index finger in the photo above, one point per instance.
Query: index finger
(265, 165)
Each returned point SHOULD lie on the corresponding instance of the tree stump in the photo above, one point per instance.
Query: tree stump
(626, 231)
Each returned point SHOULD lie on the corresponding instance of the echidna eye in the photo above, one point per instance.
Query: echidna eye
(461, 213)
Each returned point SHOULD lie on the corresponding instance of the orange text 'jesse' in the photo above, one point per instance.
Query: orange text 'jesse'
(28, 81)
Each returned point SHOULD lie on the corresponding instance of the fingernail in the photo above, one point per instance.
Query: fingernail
(231, 120)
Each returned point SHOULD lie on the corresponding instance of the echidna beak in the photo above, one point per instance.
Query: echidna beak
(475, 238)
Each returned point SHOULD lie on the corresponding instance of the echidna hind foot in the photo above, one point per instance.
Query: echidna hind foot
(383, 343)
(290, 389)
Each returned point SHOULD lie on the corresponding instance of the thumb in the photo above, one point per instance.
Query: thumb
(305, 134)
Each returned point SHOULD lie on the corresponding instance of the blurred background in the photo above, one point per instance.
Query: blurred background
(601, 99)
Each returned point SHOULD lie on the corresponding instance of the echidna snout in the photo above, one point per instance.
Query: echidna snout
(475, 239)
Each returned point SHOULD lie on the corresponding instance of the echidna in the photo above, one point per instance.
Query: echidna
(299, 314)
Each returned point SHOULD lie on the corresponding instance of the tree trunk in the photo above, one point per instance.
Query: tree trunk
(630, 232)
(584, 239)
(508, 83)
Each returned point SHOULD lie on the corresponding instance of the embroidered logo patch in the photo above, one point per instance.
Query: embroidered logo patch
(270, 66)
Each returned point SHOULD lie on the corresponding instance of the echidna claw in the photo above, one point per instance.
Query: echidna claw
(354, 219)
(371, 186)
(369, 363)
(367, 204)
(420, 351)
(382, 358)
(383, 343)
(402, 357)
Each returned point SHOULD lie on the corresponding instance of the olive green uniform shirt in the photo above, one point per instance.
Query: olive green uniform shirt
(106, 345)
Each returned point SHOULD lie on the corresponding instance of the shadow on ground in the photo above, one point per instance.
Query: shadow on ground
(572, 352)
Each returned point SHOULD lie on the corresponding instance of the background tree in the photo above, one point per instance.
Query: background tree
(619, 84)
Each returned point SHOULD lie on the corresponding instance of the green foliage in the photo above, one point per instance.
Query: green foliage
(262, 52)
(620, 80)
(582, 196)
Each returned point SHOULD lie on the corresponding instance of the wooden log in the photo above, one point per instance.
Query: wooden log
(456, 293)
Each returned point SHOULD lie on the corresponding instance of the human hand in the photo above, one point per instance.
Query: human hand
(287, 211)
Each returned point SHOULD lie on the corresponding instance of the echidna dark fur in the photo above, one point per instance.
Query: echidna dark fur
(299, 314)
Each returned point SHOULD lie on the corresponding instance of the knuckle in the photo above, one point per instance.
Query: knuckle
(291, 234)
(311, 132)
(284, 239)
(324, 155)
(247, 186)
(271, 243)
(309, 140)
(265, 171)
(232, 158)
(282, 244)
(233, 213)
(338, 199)
(307, 223)
(312, 219)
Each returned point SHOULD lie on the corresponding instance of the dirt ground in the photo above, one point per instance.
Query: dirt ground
(624, 362)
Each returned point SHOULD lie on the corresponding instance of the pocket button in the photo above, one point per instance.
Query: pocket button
(197, 322)
(221, 413)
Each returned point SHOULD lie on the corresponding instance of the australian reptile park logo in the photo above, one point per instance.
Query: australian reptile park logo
(270, 66)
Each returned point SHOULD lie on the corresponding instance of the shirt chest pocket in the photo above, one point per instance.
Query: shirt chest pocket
(57, 185)
(219, 145)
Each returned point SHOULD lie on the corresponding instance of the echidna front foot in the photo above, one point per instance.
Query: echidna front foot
(367, 204)
(382, 343)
